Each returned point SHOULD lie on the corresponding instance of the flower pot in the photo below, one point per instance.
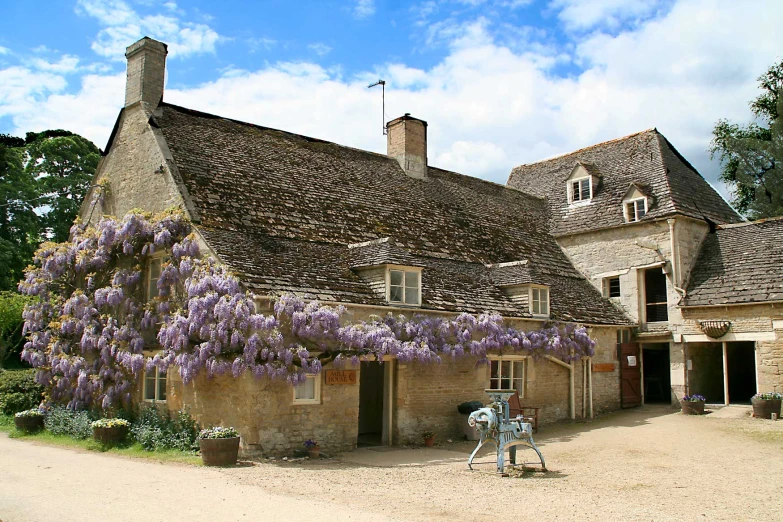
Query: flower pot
(112, 435)
(314, 452)
(471, 433)
(692, 407)
(764, 408)
(429, 441)
(29, 424)
(219, 452)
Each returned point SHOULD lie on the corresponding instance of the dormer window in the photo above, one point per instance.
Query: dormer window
(404, 286)
(581, 190)
(635, 209)
(539, 301)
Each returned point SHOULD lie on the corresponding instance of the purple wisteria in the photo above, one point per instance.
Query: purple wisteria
(92, 330)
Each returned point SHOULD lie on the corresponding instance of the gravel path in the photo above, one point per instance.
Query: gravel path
(647, 464)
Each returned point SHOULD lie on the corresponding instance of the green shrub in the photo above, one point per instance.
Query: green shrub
(62, 421)
(19, 391)
(155, 430)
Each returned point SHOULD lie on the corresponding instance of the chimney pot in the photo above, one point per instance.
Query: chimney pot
(406, 141)
(146, 72)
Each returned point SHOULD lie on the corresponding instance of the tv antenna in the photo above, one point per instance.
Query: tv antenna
(383, 96)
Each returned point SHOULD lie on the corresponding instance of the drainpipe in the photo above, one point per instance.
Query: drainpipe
(584, 389)
(570, 368)
(590, 380)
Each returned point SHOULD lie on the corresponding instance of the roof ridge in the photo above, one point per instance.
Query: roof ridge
(586, 148)
(495, 183)
(746, 223)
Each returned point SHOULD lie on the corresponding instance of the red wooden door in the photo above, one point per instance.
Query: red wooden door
(630, 375)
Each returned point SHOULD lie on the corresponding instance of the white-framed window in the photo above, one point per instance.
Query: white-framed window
(612, 286)
(154, 268)
(404, 286)
(635, 209)
(507, 372)
(154, 386)
(539, 301)
(308, 391)
(580, 189)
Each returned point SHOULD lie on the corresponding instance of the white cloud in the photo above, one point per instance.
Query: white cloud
(123, 25)
(582, 15)
(4, 50)
(66, 64)
(321, 49)
(490, 105)
(364, 8)
(256, 44)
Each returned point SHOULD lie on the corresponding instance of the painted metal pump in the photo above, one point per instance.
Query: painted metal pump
(495, 426)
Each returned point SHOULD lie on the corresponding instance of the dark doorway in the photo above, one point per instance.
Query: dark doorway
(741, 358)
(657, 373)
(655, 299)
(705, 376)
(630, 375)
(370, 404)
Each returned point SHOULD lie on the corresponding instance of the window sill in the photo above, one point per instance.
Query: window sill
(306, 402)
(577, 204)
(404, 305)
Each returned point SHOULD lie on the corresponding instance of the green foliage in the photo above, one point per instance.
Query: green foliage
(62, 421)
(752, 155)
(158, 430)
(19, 391)
(11, 322)
(49, 171)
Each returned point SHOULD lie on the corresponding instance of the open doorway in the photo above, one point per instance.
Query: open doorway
(657, 373)
(370, 404)
(741, 359)
(705, 375)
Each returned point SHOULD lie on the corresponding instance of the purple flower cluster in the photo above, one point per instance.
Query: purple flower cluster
(90, 326)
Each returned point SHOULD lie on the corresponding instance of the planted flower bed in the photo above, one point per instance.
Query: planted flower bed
(29, 421)
(219, 446)
(765, 404)
(693, 404)
(110, 431)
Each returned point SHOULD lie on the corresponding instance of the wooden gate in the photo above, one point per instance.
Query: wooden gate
(630, 375)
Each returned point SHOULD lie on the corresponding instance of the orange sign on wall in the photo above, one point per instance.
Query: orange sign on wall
(607, 367)
(340, 376)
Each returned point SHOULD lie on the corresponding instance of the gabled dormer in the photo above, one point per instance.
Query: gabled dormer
(393, 273)
(516, 281)
(636, 203)
(582, 183)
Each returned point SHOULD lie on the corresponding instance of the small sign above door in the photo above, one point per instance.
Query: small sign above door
(603, 367)
(340, 376)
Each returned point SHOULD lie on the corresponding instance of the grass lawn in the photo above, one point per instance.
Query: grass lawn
(133, 450)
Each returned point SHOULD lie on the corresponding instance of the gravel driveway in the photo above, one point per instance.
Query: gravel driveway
(645, 464)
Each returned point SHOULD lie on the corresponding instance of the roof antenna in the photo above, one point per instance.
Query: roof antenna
(383, 89)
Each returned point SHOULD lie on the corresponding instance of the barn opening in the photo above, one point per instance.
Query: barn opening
(657, 373)
(370, 404)
(741, 359)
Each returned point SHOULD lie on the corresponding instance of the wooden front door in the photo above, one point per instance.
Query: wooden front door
(630, 375)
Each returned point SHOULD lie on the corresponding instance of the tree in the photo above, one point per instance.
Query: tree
(19, 224)
(63, 163)
(751, 155)
(91, 323)
(11, 339)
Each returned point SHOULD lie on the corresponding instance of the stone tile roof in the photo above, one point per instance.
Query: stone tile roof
(513, 273)
(646, 159)
(740, 263)
(282, 209)
(380, 252)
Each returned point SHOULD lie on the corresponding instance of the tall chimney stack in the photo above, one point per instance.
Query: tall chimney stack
(406, 141)
(146, 72)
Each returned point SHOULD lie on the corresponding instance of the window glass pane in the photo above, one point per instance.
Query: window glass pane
(411, 296)
(161, 386)
(640, 212)
(614, 287)
(149, 386)
(306, 389)
(575, 191)
(395, 294)
(395, 277)
(585, 188)
(505, 374)
(155, 267)
(544, 301)
(412, 279)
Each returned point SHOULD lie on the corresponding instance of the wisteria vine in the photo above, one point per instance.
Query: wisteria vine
(91, 331)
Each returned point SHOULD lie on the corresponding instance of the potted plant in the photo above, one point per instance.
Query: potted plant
(29, 421)
(465, 409)
(429, 438)
(219, 446)
(765, 404)
(313, 449)
(110, 431)
(693, 404)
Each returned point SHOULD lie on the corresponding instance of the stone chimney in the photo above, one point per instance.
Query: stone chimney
(146, 72)
(406, 141)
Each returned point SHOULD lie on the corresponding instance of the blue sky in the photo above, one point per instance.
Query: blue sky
(500, 83)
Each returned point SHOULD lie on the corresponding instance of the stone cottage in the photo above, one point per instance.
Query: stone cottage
(383, 233)
(704, 288)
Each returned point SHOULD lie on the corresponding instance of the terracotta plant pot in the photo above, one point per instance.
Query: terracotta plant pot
(219, 452)
(29, 424)
(113, 435)
(692, 408)
(429, 441)
(763, 409)
(314, 452)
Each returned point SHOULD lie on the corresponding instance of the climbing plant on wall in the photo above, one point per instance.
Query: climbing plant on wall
(92, 330)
